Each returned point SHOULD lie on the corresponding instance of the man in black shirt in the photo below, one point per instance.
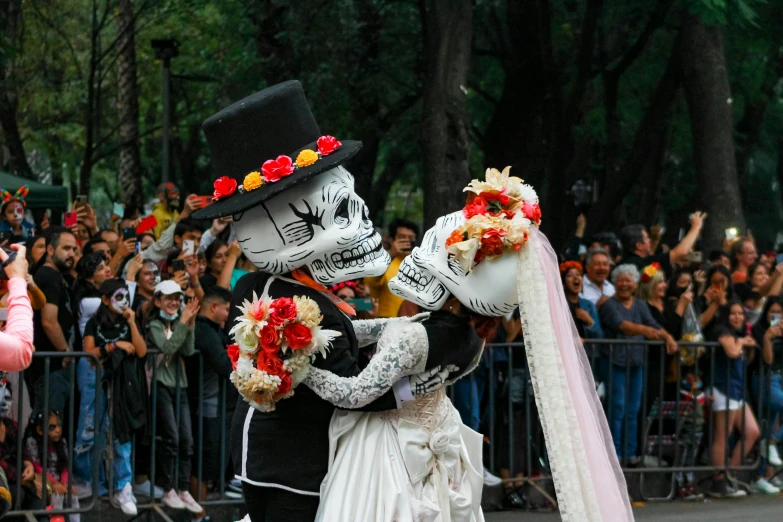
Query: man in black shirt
(638, 249)
(54, 324)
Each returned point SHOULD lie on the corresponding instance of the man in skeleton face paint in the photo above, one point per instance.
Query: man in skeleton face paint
(298, 219)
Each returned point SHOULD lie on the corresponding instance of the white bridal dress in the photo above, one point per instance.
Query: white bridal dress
(418, 463)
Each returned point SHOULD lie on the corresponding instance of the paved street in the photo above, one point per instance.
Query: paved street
(750, 509)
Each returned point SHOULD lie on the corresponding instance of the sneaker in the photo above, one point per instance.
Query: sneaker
(190, 504)
(761, 485)
(232, 494)
(773, 457)
(82, 490)
(124, 500)
(735, 492)
(777, 482)
(143, 490)
(235, 485)
(514, 500)
(490, 479)
(170, 499)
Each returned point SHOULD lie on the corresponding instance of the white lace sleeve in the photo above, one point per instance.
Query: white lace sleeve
(402, 350)
(368, 331)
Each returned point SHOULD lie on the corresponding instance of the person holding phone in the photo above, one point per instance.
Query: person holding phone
(638, 248)
(768, 384)
(16, 341)
(402, 235)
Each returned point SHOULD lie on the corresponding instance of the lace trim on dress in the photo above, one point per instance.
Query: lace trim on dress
(568, 462)
(402, 350)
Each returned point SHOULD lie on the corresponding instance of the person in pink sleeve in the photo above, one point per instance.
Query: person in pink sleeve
(16, 341)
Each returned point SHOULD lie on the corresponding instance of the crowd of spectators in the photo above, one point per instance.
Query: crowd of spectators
(136, 303)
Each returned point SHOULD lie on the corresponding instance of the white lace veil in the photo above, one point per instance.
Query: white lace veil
(589, 483)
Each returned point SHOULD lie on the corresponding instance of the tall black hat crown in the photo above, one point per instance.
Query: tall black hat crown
(265, 125)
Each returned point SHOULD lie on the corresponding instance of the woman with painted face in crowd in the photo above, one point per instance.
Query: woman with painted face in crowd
(13, 221)
(112, 335)
(170, 329)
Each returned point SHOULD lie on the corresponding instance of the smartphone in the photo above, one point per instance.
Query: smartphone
(178, 265)
(128, 233)
(147, 223)
(361, 304)
(779, 259)
(732, 233)
(138, 247)
(204, 200)
(5, 237)
(81, 200)
(3, 314)
(70, 219)
(189, 247)
(11, 256)
(775, 319)
(119, 210)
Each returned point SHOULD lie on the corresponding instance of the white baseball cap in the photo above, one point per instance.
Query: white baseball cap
(168, 287)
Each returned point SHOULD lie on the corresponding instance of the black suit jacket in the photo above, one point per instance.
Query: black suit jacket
(290, 446)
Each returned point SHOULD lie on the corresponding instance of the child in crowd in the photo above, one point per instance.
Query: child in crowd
(57, 481)
(170, 329)
(113, 336)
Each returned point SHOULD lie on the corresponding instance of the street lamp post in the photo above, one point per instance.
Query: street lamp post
(165, 50)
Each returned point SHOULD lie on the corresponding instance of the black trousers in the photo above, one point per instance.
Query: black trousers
(278, 505)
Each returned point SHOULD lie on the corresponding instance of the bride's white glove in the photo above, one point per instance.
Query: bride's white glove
(368, 331)
(431, 380)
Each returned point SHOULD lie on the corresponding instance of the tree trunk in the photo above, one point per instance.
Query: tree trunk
(447, 27)
(706, 82)
(620, 181)
(10, 21)
(128, 109)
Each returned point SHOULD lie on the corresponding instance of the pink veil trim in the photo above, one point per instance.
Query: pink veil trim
(589, 483)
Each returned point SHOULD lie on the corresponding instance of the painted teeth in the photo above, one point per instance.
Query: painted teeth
(359, 255)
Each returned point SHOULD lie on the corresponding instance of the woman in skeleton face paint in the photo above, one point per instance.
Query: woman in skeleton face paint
(113, 336)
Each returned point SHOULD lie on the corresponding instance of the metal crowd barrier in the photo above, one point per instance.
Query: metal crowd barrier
(104, 455)
(501, 409)
(69, 428)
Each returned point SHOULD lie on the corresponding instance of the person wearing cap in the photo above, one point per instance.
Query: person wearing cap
(170, 330)
(113, 336)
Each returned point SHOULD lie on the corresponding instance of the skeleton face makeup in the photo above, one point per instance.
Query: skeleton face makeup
(427, 276)
(322, 224)
(120, 300)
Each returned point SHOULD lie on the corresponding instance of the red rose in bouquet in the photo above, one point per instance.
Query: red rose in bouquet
(285, 383)
(500, 198)
(271, 364)
(233, 355)
(297, 336)
(283, 309)
(276, 169)
(327, 145)
(270, 339)
(224, 187)
(478, 206)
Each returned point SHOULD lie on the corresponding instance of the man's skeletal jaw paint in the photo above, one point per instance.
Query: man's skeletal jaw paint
(321, 223)
(428, 275)
(120, 300)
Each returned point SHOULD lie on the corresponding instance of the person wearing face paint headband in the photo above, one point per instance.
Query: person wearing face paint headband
(113, 336)
(13, 209)
(170, 330)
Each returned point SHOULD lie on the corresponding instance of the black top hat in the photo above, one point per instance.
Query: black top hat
(242, 137)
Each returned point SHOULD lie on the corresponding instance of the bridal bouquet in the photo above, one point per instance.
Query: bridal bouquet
(274, 342)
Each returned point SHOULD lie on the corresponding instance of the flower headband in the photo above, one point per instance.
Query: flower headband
(274, 170)
(345, 284)
(499, 215)
(650, 271)
(568, 265)
(19, 196)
